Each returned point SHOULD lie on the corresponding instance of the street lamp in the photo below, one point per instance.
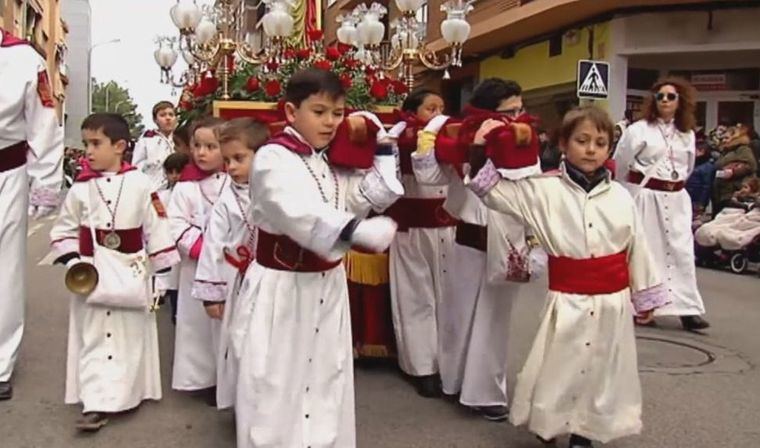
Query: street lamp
(89, 69)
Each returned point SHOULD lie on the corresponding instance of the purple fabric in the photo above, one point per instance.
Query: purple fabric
(650, 298)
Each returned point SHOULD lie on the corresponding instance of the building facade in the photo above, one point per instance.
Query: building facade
(40, 22)
(538, 43)
(78, 16)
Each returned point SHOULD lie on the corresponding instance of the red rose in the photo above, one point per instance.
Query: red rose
(272, 88)
(350, 63)
(344, 48)
(332, 53)
(186, 105)
(378, 90)
(369, 70)
(272, 65)
(303, 53)
(315, 35)
(207, 86)
(346, 81)
(323, 65)
(252, 85)
(289, 54)
(400, 87)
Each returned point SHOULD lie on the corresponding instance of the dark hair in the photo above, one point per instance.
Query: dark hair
(416, 98)
(251, 133)
(161, 105)
(182, 133)
(113, 126)
(578, 115)
(206, 122)
(489, 94)
(312, 81)
(753, 183)
(176, 161)
(684, 120)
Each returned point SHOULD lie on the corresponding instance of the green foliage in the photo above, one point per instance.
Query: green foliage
(111, 97)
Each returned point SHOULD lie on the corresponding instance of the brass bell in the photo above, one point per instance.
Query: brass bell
(82, 278)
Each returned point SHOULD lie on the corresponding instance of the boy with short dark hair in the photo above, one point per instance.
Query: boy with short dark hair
(112, 358)
(295, 386)
(483, 272)
(155, 145)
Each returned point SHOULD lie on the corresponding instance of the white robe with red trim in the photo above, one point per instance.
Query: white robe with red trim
(196, 334)
(295, 387)
(27, 114)
(581, 375)
(217, 280)
(112, 358)
(149, 154)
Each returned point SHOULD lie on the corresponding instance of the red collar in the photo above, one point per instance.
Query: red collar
(292, 143)
(88, 173)
(10, 40)
(192, 172)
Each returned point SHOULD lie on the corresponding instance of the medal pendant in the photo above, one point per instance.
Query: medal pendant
(674, 175)
(112, 241)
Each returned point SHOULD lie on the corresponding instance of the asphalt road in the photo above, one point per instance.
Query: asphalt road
(700, 391)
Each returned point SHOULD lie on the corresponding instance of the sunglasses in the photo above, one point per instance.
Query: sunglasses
(660, 96)
(514, 113)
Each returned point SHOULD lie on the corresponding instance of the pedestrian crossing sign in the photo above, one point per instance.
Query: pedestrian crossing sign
(593, 79)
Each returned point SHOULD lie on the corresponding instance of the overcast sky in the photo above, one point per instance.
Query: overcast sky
(130, 62)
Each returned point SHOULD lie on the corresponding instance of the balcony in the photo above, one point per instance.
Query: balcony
(498, 23)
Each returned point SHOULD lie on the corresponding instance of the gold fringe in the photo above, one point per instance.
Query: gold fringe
(374, 351)
(367, 269)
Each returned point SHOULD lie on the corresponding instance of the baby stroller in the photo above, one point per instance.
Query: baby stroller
(731, 240)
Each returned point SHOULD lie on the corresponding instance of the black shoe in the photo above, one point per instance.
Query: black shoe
(6, 390)
(547, 443)
(577, 441)
(92, 421)
(691, 323)
(429, 386)
(493, 413)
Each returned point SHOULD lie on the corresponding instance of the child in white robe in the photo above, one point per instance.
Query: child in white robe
(581, 375)
(199, 188)
(167, 283)
(229, 245)
(295, 386)
(112, 354)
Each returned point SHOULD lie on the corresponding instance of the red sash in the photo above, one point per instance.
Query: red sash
(414, 213)
(283, 254)
(590, 276)
(131, 240)
(13, 156)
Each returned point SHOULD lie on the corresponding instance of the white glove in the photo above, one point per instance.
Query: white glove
(387, 169)
(723, 174)
(397, 129)
(43, 211)
(539, 262)
(72, 262)
(375, 233)
(435, 124)
(382, 134)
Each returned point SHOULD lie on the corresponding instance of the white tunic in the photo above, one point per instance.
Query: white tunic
(216, 280)
(417, 258)
(23, 117)
(295, 386)
(581, 374)
(112, 359)
(668, 215)
(150, 152)
(475, 314)
(196, 335)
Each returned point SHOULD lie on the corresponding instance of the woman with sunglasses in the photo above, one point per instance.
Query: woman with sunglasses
(654, 158)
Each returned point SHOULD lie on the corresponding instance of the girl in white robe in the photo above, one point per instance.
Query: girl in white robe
(112, 361)
(196, 335)
(581, 375)
(229, 245)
